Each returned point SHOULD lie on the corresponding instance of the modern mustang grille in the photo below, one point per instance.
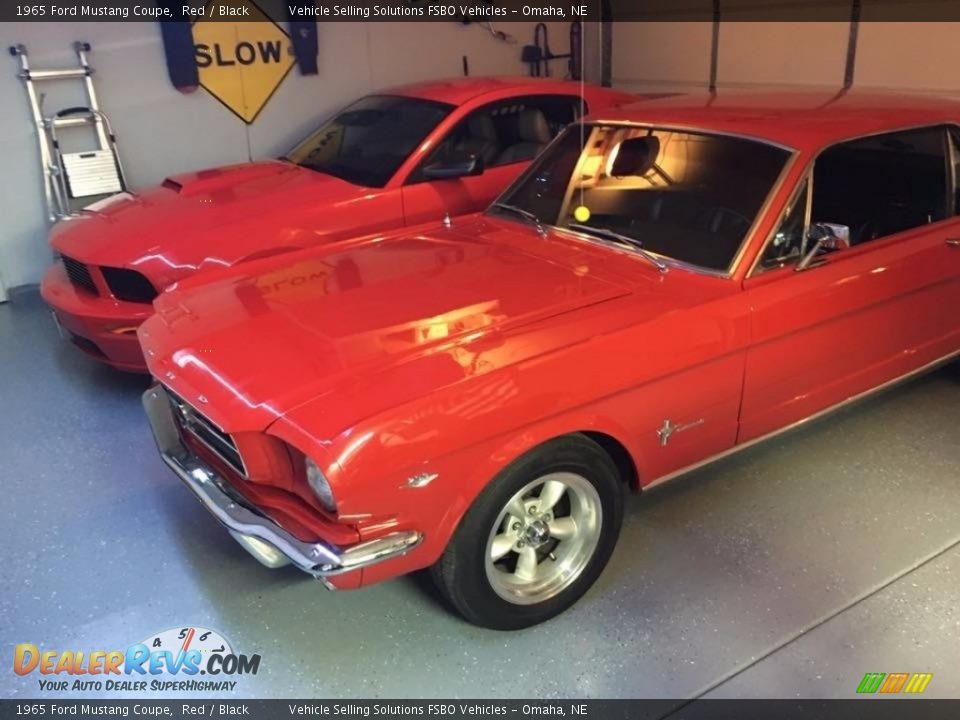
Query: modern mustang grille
(128, 285)
(204, 430)
(79, 274)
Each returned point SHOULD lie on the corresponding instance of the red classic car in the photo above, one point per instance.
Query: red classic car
(668, 283)
(397, 158)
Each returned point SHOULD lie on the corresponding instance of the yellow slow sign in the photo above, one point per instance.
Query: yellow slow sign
(241, 63)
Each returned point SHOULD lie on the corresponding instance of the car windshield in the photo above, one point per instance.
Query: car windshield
(367, 142)
(682, 195)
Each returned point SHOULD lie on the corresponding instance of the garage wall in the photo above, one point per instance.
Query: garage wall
(675, 56)
(162, 131)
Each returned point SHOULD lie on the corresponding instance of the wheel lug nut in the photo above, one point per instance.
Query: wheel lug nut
(517, 526)
(532, 510)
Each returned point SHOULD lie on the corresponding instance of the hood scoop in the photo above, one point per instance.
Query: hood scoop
(232, 176)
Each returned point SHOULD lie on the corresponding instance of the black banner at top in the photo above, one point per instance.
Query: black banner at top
(492, 11)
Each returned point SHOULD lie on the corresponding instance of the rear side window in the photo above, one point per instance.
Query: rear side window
(876, 186)
(506, 132)
(883, 184)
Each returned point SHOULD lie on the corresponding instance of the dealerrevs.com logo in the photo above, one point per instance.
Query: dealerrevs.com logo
(172, 660)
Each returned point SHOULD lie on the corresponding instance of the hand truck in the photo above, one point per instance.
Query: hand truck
(69, 176)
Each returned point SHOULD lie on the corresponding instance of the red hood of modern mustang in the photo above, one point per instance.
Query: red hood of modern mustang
(391, 318)
(211, 217)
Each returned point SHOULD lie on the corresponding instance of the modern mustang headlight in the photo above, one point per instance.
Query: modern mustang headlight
(320, 485)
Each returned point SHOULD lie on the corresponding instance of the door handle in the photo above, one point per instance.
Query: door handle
(953, 242)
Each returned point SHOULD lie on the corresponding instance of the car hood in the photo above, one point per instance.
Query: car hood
(215, 216)
(288, 330)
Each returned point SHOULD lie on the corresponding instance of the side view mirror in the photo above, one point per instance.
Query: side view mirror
(452, 169)
(825, 236)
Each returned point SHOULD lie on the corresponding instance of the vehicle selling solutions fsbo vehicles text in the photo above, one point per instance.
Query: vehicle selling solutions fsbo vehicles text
(399, 10)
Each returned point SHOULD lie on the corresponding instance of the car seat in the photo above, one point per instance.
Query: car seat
(534, 134)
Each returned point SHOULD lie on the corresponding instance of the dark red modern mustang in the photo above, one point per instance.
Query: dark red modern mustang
(668, 283)
(397, 158)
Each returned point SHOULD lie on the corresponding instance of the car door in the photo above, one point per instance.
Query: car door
(863, 315)
(506, 135)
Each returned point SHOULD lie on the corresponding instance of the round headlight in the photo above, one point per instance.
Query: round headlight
(320, 485)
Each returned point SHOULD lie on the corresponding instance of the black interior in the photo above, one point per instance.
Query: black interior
(687, 225)
(700, 206)
(882, 185)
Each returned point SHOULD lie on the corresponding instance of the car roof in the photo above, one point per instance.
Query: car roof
(458, 91)
(800, 120)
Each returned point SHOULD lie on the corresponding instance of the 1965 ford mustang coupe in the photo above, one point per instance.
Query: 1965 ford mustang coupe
(398, 158)
(667, 283)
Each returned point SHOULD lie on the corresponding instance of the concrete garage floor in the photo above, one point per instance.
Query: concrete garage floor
(790, 569)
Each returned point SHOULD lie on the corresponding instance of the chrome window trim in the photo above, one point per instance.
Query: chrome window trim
(698, 129)
(805, 181)
(749, 238)
(945, 125)
(951, 139)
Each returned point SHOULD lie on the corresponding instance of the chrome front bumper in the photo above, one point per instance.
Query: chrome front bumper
(259, 535)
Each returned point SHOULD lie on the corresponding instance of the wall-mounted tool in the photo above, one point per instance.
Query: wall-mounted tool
(538, 55)
(66, 176)
(488, 26)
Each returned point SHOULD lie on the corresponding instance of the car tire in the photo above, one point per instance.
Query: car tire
(507, 572)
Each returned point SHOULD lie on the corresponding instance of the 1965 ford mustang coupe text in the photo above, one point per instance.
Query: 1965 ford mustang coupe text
(667, 283)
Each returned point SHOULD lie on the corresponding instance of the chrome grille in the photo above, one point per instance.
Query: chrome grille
(79, 274)
(207, 432)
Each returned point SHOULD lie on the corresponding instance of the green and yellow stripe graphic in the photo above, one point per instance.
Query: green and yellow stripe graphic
(894, 683)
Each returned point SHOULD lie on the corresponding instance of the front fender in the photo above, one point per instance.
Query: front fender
(498, 454)
(437, 508)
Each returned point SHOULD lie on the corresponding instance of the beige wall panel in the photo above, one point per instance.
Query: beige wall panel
(775, 54)
(661, 56)
(911, 56)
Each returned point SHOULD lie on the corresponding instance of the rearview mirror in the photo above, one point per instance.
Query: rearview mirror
(635, 157)
(452, 169)
(826, 236)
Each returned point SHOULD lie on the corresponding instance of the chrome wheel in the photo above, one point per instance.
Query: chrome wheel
(543, 538)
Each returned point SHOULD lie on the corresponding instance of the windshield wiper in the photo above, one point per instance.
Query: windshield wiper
(623, 240)
(524, 214)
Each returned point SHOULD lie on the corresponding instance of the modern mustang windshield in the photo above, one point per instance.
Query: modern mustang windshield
(688, 196)
(367, 142)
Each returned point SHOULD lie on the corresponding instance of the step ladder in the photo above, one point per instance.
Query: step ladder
(75, 175)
